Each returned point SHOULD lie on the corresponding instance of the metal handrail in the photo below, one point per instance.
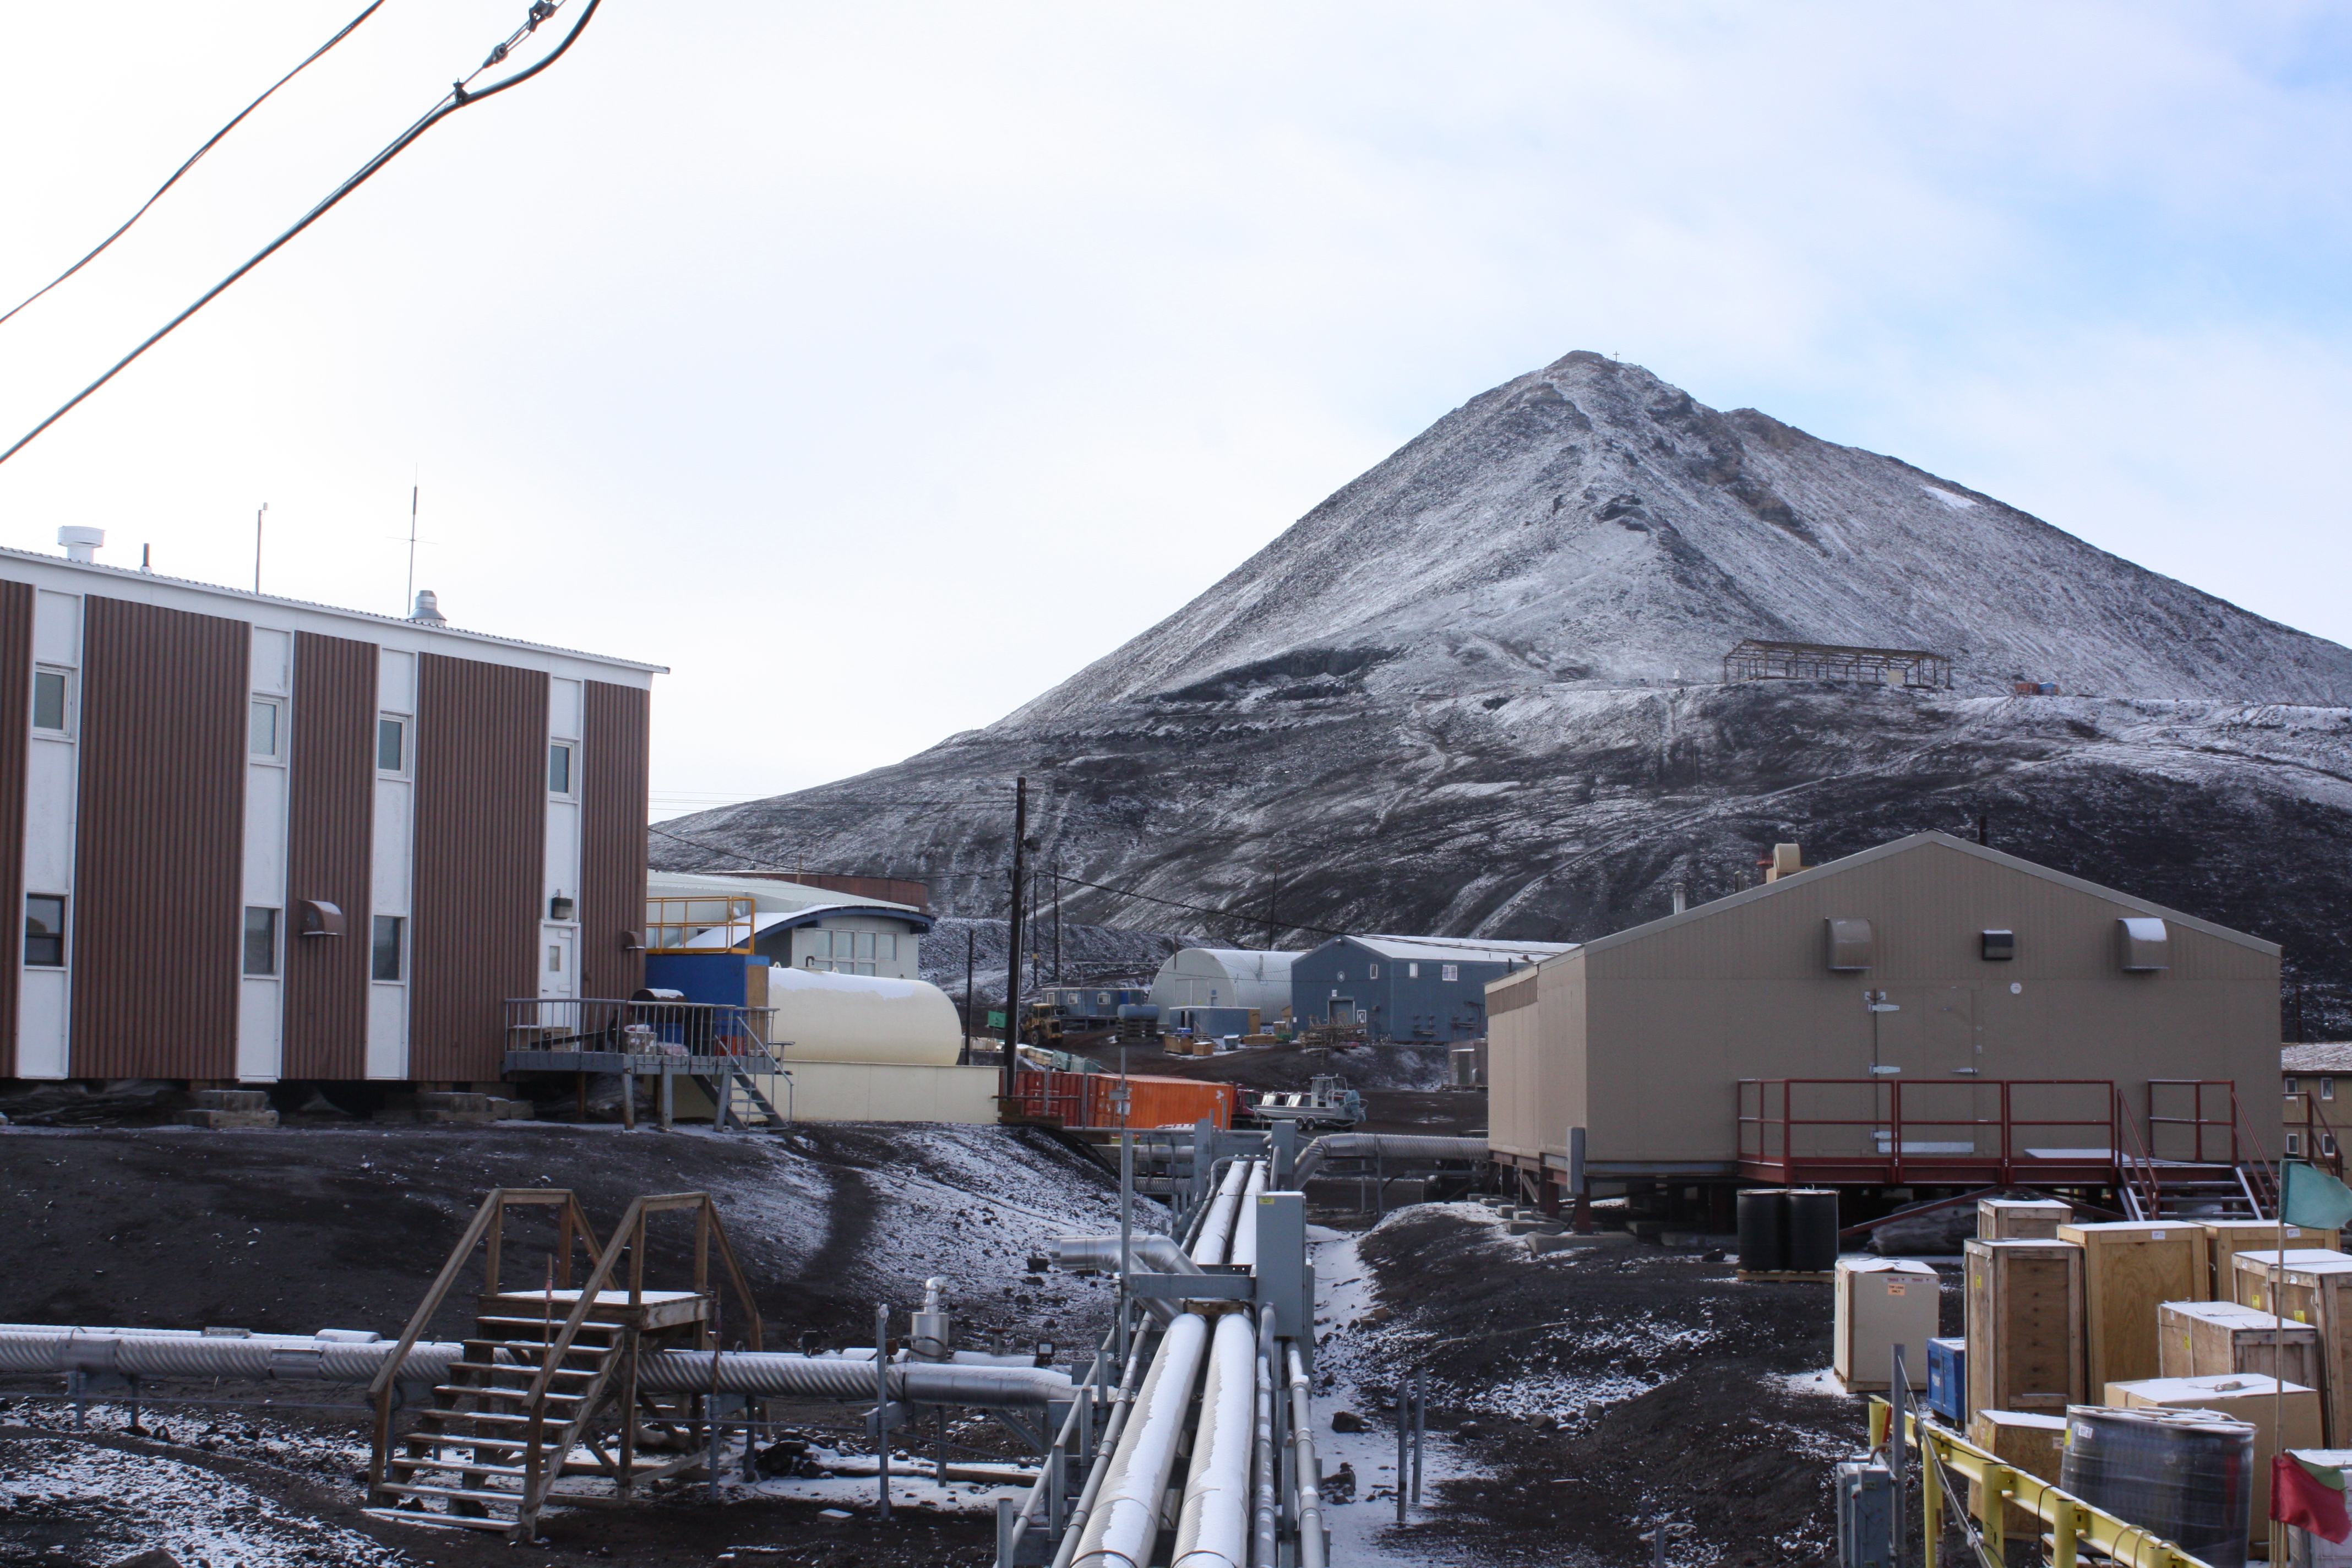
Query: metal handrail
(2197, 1119)
(602, 1023)
(1894, 1123)
(671, 923)
(2073, 1523)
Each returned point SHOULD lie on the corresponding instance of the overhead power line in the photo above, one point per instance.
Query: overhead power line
(307, 60)
(1196, 908)
(458, 98)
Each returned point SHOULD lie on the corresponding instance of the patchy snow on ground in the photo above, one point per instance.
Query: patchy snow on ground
(117, 1504)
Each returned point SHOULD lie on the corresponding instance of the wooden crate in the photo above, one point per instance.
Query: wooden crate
(2272, 1408)
(2129, 1269)
(2315, 1288)
(2024, 1440)
(2020, 1219)
(2209, 1339)
(1881, 1302)
(2225, 1238)
(2024, 1323)
(2254, 1271)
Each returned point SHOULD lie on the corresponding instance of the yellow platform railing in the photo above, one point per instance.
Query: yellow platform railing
(2073, 1523)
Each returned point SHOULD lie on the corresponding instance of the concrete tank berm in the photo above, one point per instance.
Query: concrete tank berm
(862, 1018)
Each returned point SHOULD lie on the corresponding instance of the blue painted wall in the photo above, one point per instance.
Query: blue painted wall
(1401, 1005)
(716, 977)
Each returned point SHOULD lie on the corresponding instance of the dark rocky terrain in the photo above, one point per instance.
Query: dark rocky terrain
(1477, 691)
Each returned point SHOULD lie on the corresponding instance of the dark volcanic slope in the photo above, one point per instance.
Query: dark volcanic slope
(1472, 693)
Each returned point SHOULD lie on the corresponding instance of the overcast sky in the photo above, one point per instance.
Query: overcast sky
(874, 367)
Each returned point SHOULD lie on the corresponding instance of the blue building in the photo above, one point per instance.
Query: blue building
(1407, 988)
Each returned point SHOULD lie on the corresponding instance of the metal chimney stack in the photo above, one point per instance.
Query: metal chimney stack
(428, 609)
(82, 543)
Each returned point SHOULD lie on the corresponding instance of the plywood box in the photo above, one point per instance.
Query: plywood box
(2020, 1219)
(2313, 1288)
(2273, 1409)
(2024, 1440)
(2209, 1338)
(2254, 1270)
(2129, 1269)
(2225, 1238)
(1881, 1302)
(2024, 1322)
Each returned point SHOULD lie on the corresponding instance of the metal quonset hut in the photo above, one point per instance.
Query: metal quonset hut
(1226, 983)
(1408, 987)
(1926, 1013)
(250, 839)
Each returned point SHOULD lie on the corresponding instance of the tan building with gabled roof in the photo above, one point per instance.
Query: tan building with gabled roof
(1892, 1018)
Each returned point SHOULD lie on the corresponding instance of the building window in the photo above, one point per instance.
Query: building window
(2291, 1088)
(390, 745)
(2327, 1088)
(558, 768)
(386, 951)
(555, 958)
(1372, 972)
(1341, 977)
(1449, 971)
(263, 737)
(260, 939)
(45, 931)
(2294, 1144)
(1413, 972)
(53, 702)
(2327, 1145)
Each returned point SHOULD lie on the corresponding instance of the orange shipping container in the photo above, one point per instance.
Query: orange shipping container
(1162, 1102)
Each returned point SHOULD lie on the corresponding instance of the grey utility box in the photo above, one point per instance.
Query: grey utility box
(1865, 1515)
(1284, 1279)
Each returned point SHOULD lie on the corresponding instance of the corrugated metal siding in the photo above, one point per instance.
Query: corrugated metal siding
(159, 848)
(16, 695)
(331, 821)
(615, 758)
(481, 811)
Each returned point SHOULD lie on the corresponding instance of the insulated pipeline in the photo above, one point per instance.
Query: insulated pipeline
(1311, 1553)
(1399, 1146)
(1126, 1522)
(1122, 1407)
(1213, 1528)
(28, 1348)
(1099, 1254)
(1244, 1247)
(1217, 1235)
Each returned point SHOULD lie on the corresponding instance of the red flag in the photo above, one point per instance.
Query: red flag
(2309, 1495)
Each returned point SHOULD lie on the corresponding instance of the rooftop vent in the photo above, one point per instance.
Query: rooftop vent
(428, 609)
(82, 543)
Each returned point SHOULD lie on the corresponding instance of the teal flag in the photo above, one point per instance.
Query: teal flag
(2312, 1197)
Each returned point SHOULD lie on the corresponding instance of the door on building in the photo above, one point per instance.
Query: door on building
(1343, 1010)
(559, 985)
(1932, 1040)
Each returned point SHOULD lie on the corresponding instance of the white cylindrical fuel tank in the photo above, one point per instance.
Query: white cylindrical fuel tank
(833, 1017)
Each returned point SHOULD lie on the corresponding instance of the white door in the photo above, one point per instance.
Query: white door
(558, 956)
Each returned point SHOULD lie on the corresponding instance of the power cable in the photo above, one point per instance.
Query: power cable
(1196, 908)
(696, 843)
(349, 27)
(458, 98)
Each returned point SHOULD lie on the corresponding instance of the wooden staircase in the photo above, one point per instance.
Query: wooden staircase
(544, 1374)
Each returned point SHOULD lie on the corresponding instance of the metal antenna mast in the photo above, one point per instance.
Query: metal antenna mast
(257, 547)
(408, 603)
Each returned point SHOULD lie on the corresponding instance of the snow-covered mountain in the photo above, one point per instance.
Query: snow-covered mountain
(1477, 690)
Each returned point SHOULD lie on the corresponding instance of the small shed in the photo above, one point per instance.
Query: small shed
(1928, 1012)
(1407, 987)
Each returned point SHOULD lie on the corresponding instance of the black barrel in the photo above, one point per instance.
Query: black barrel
(1763, 1230)
(2185, 1475)
(1813, 1228)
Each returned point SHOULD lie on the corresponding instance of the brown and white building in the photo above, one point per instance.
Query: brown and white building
(253, 839)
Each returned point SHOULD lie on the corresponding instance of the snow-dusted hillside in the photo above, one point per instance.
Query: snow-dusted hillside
(1477, 692)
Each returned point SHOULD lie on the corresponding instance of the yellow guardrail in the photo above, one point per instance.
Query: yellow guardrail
(2073, 1523)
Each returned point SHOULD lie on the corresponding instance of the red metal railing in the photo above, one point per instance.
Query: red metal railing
(2196, 1120)
(1778, 1144)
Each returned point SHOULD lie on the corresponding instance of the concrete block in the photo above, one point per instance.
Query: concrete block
(239, 1100)
(218, 1120)
(515, 1109)
(444, 1101)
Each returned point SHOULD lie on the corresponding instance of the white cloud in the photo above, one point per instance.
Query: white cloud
(878, 367)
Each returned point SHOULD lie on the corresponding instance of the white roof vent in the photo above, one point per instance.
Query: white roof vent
(2141, 944)
(428, 609)
(82, 543)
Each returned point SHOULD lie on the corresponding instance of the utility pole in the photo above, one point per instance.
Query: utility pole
(257, 547)
(970, 955)
(1012, 931)
(1057, 915)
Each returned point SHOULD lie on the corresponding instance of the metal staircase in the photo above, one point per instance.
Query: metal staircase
(2243, 1185)
(546, 1372)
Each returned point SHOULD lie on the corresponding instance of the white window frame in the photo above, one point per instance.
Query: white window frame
(407, 746)
(1372, 972)
(276, 755)
(402, 942)
(2327, 1088)
(1449, 971)
(570, 750)
(277, 968)
(2294, 1144)
(2290, 1086)
(71, 678)
(65, 935)
(2327, 1146)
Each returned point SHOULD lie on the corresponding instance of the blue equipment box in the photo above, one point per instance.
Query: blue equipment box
(1948, 1380)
